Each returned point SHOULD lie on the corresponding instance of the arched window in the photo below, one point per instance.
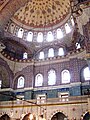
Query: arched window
(41, 55)
(39, 80)
(12, 28)
(51, 52)
(86, 73)
(51, 77)
(59, 33)
(21, 81)
(78, 46)
(72, 20)
(67, 28)
(20, 33)
(30, 36)
(40, 37)
(0, 83)
(60, 52)
(25, 55)
(65, 76)
(49, 36)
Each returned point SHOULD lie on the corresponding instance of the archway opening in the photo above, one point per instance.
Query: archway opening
(86, 116)
(29, 116)
(5, 117)
(59, 116)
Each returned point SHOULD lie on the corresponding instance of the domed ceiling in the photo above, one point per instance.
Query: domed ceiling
(42, 13)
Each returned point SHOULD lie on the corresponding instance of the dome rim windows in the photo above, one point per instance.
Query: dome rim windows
(29, 36)
(20, 32)
(50, 36)
(67, 28)
(40, 37)
(59, 33)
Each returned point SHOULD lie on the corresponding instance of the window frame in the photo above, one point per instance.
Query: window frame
(50, 36)
(25, 55)
(59, 33)
(31, 38)
(40, 57)
(62, 50)
(37, 84)
(63, 79)
(49, 53)
(67, 28)
(87, 77)
(20, 35)
(40, 38)
(19, 84)
(53, 81)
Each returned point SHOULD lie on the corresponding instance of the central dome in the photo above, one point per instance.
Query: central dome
(42, 13)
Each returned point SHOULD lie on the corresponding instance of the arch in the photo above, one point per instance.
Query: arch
(30, 36)
(15, 81)
(86, 116)
(20, 81)
(67, 28)
(60, 51)
(55, 112)
(28, 116)
(51, 52)
(38, 79)
(25, 55)
(59, 33)
(86, 73)
(40, 37)
(72, 20)
(20, 32)
(41, 55)
(65, 76)
(5, 73)
(5, 117)
(59, 116)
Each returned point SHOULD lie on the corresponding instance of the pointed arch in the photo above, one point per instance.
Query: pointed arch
(38, 79)
(65, 76)
(5, 117)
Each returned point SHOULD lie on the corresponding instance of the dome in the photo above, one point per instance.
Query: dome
(42, 13)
